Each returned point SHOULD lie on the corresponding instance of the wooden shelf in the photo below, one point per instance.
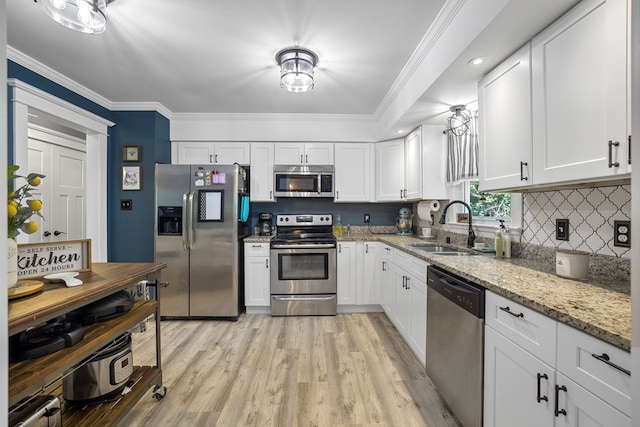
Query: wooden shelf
(30, 376)
(112, 413)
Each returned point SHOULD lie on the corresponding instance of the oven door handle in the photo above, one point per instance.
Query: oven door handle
(303, 298)
(303, 246)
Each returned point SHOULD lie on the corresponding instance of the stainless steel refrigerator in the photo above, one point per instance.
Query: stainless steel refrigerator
(201, 214)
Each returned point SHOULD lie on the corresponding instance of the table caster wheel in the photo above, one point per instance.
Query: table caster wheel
(159, 392)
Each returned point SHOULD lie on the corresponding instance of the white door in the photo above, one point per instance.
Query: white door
(62, 191)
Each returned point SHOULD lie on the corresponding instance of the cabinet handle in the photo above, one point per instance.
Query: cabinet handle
(266, 263)
(306, 158)
(210, 158)
(57, 233)
(404, 281)
(612, 144)
(216, 156)
(522, 177)
(508, 310)
(339, 248)
(561, 411)
(401, 193)
(46, 234)
(604, 358)
(256, 246)
(366, 248)
(538, 397)
(384, 266)
(405, 193)
(408, 278)
(629, 148)
(337, 195)
(301, 159)
(270, 194)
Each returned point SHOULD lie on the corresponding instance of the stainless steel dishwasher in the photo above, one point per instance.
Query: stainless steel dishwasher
(455, 343)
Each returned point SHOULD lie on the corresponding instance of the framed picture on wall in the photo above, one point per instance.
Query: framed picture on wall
(131, 153)
(131, 178)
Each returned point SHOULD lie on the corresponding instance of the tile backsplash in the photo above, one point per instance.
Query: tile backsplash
(591, 212)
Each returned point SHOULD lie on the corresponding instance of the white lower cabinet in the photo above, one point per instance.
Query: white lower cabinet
(369, 289)
(521, 389)
(347, 267)
(256, 274)
(404, 297)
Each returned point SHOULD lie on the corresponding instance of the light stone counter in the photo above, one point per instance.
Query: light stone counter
(597, 306)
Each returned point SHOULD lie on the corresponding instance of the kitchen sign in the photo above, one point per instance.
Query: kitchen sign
(40, 259)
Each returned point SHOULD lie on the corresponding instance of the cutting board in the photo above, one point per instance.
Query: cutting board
(24, 288)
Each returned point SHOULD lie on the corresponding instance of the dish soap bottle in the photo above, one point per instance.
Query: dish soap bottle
(506, 243)
(499, 240)
(338, 229)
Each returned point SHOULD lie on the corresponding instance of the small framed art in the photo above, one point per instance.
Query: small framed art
(131, 153)
(131, 178)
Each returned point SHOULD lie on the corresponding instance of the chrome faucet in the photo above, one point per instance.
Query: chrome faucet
(443, 220)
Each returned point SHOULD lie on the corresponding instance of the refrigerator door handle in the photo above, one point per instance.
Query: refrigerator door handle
(185, 222)
(190, 220)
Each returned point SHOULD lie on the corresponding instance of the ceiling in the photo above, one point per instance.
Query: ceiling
(194, 56)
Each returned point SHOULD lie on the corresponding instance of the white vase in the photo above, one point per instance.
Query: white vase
(12, 262)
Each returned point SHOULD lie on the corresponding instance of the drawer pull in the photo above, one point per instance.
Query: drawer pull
(522, 177)
(604, 357)
(538, 397)
(508, 310)
(613, 164)
(556, 410)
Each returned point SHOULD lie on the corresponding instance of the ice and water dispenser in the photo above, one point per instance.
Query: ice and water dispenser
(169, 220)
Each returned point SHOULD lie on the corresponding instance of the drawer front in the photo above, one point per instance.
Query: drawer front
(256, 249)
(411, 265)
(576, 359)
(531, 330)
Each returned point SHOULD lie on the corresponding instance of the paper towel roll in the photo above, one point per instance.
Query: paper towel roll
(424, 209)
(435, 206)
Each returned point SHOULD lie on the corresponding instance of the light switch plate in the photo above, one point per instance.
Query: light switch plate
(126, 204)
(562, 229)
(622, 233)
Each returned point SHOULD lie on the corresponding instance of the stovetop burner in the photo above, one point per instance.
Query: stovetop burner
(304, 228)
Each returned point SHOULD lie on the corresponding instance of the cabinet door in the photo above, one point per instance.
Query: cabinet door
(346, 272)
(413, 166)
(352, 173)
(289, 153)
(256, 281)
(584, 409)
(370, 287)
(579, 78)
(262, 172)
(194, 153)
(434, 163)
(504, 124)
(387, 284)
(318, 153)
(390, 170)
(402, 306)
(418, 328)
(511, 385)
(230, 153)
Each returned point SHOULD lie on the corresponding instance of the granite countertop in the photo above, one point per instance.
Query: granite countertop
(597, 305)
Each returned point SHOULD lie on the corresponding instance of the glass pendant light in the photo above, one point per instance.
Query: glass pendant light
(86, 16)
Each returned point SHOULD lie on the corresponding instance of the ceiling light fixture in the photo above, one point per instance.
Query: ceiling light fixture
(296, 69)
(86, 16)
(476, 61)
(459, 121)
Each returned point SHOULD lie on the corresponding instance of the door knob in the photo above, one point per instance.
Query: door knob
(57, 233)
(46, 234)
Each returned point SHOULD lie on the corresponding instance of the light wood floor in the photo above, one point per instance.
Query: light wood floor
(350, 369)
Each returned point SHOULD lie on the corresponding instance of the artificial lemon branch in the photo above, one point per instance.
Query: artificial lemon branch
(21, 205)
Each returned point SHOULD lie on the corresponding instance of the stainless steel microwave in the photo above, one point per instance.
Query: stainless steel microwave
(303, 181)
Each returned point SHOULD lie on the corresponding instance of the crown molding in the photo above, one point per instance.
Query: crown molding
(142, 106)
(431, 37)
(275, 117)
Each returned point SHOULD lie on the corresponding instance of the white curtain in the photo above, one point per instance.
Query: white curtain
(462, 153)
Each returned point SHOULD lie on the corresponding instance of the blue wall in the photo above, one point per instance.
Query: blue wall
(131, 231)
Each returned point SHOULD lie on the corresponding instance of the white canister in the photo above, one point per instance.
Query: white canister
(572, 264)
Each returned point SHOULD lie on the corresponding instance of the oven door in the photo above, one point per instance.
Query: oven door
(303, 269)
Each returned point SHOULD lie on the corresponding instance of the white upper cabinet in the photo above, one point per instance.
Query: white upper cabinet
(262, 172)
(352, 172)
(434, 162)
(504, 124)
(298, 153)
(222, 153)
(390, 171)
(579, 95)
(413, 165)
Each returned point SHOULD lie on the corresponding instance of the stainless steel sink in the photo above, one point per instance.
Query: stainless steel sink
(438, 250)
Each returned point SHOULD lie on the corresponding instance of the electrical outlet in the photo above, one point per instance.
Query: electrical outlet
(367, 218)
(126, 204)
(562, 229)
(622, 233)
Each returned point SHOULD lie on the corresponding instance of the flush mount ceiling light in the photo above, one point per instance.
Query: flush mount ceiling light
(86, 16)
(476, 61)
(296, 69)
(459, 121)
